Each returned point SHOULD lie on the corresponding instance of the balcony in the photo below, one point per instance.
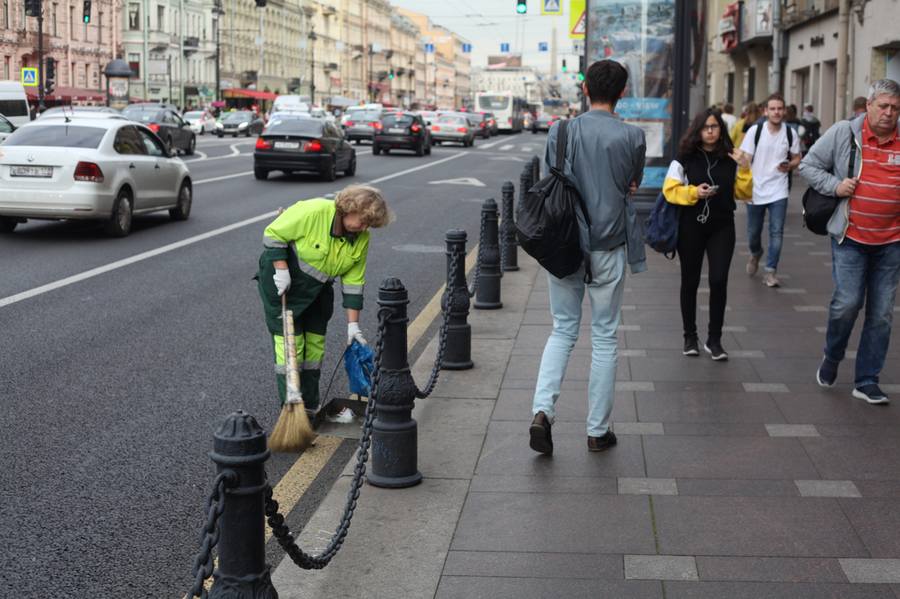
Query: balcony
(191, 44)
(159, 41)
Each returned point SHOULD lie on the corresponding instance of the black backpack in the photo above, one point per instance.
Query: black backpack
(547, 219)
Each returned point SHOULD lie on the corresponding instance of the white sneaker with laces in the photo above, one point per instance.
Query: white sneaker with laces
(345, 416)
(771, 280)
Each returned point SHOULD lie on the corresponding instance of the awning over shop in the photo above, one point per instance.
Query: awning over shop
(248, 93)
(69, 94)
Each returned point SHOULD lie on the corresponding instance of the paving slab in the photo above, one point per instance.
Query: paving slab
(755, 526)
(708, 407)
(860, 459)
(572, 406)
(771, 590)
(481, 382)
(877, 522)
(451, 431)
(554, 523)
(544, 483)
(827, 488)
(588, 566)
(459, 587)
(770, 569)
(660, 567)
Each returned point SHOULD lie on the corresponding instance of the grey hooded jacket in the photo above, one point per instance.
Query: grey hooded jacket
(826, 164)
(604, 155)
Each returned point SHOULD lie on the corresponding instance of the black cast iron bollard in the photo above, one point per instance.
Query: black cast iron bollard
(240, 446)
(535, 169)
(394, 432)
(509, 255)
(458, 354)
(487, 295)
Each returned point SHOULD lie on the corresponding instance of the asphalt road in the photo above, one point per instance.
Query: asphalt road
(112, 386)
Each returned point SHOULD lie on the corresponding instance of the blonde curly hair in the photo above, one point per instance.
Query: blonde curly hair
(367, 202)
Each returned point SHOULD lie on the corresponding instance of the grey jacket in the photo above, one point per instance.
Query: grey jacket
(826, 164)
(604, 155)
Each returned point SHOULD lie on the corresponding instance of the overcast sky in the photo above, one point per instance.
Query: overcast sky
(487, 23)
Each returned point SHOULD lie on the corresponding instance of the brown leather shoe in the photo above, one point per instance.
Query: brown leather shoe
(602, 443)
(541, 439)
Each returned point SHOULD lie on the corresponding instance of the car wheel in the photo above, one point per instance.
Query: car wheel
(182, 210)
(428, 150)
(8, 225)
(220, 135)
(387, 151)
(356, 141)
(191, 146)
(247, 132)
(437, 142)
(420, 149)
(234, 136)
(375, 150)
(119, 223)
(351, 170)
(261, 174)
(330, 173)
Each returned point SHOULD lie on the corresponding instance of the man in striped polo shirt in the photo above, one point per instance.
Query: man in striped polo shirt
(865, 233)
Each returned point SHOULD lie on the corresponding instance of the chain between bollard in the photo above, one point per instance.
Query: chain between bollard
(473, 286)
(443, 334)
(276, 521)
(209, 538)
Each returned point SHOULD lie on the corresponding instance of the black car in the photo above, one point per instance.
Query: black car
(303, 145)
(241, 122)
(484, 125)
(168, 125)
(402, 131)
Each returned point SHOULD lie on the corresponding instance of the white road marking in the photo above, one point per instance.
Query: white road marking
(234, 150)
(506, 147)
(89, 274)
(507, 158)
(461, 181)
(223, 177)
(490, 145)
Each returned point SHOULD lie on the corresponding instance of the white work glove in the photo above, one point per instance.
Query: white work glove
(353, 332)
(282, 278)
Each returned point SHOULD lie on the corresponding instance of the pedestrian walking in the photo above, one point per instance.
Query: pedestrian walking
(749, 115)
(306, 248)
(604, 161)
(865, 234)
(809, 129)
(728, 117)
(775, 151)
(706, 178)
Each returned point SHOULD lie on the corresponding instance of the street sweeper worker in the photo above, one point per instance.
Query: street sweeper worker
(307, 247)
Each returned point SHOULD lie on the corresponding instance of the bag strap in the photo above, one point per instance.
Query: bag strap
(852, 153)
(561, 140)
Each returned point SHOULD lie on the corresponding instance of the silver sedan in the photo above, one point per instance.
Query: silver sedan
(106, 169)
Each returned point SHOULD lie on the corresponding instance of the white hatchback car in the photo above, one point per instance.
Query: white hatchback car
(106, 169)
(201, 121)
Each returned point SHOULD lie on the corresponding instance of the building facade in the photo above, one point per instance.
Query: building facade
(80, 50)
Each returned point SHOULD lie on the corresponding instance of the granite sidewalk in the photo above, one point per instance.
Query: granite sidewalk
(734, 480)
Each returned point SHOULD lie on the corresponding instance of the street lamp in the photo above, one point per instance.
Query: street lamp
(217, 23)
(312, 65)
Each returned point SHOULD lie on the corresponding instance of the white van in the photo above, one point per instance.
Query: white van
(14, 103)
(290, 104)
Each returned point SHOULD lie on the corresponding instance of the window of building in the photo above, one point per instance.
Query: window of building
(7, 62)
(99, 27)
(72, 75)
(72, 21)
(54, 24)
(160, 18)
(729, 88)
(87, 76)
(5, 14)
(751, 83)
(134, 16)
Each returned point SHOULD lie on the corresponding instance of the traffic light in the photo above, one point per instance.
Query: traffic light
(521, 6)
(33, 8)
(391, 74)
(87, 12)
(581, 68)
(565, 69)
(49, 75)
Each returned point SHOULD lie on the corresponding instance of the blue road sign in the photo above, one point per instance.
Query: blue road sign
(466, 48)
(29, 76)
(429, 48)
(543, 46)
(504, 47)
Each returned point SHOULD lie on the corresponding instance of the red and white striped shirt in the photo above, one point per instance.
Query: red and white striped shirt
(875, 205)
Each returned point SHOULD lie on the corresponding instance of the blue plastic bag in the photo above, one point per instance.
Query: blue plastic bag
(359, 362)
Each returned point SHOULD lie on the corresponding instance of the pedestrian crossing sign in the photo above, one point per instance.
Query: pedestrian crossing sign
(30, 76)
(551, 7)
(577, 19)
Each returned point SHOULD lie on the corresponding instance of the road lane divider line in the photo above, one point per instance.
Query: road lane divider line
(205, 159)
(89, 274)
(490, 145)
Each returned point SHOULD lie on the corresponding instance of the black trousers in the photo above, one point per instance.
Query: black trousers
(716, 240)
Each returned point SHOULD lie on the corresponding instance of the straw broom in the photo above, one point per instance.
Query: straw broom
(293, 432)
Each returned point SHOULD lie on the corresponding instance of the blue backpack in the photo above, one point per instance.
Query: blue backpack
(661, 227)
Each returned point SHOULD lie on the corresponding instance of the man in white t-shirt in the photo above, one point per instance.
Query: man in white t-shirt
(728, 115)
(774, 156)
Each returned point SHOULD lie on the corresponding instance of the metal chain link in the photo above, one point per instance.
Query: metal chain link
(443, 334)
(276, 521)
(473, 286)
(209, 535)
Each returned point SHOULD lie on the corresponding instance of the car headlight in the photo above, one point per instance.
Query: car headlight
(242, 125)
(220, 126)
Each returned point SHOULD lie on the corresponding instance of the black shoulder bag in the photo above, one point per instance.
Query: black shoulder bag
(818, 207)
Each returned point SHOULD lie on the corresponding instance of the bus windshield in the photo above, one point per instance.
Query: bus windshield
(491, 103)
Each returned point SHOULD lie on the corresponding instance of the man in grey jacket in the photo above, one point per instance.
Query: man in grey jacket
(865, 234)
(604, 161)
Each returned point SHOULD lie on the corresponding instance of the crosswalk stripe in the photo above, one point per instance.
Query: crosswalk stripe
(506, 147)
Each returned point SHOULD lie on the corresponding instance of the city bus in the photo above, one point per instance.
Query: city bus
(508, 109)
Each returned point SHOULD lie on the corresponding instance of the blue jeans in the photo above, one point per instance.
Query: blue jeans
(755, 217)
(605, 293)
(862, 273)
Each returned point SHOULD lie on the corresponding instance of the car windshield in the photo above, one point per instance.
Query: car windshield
(192, 115)
(304, 127)
(493, 102)
(142, 115)
(62, 136)
(397, 120)
(368, 116)
(452, 120)
(237, 117)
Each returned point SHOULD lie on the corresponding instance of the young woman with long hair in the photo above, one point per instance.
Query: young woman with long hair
(706, 178)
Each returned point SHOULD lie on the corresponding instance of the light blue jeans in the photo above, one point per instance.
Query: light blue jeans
(755, 216)
(605, 293)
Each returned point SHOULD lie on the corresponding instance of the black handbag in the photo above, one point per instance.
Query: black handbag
(547, 220)
(818, 207)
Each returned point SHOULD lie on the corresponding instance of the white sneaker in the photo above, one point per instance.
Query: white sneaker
(771, 280)
(345, 416)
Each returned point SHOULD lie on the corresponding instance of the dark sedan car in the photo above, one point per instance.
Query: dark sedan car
(173, 130)
(484, 125)
(543, 123)
(402, 131)
(241, 122)
(303, 145)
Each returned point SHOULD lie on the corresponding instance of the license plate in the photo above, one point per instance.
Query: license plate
(287, 145)
(31, 171)
(396, 131)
